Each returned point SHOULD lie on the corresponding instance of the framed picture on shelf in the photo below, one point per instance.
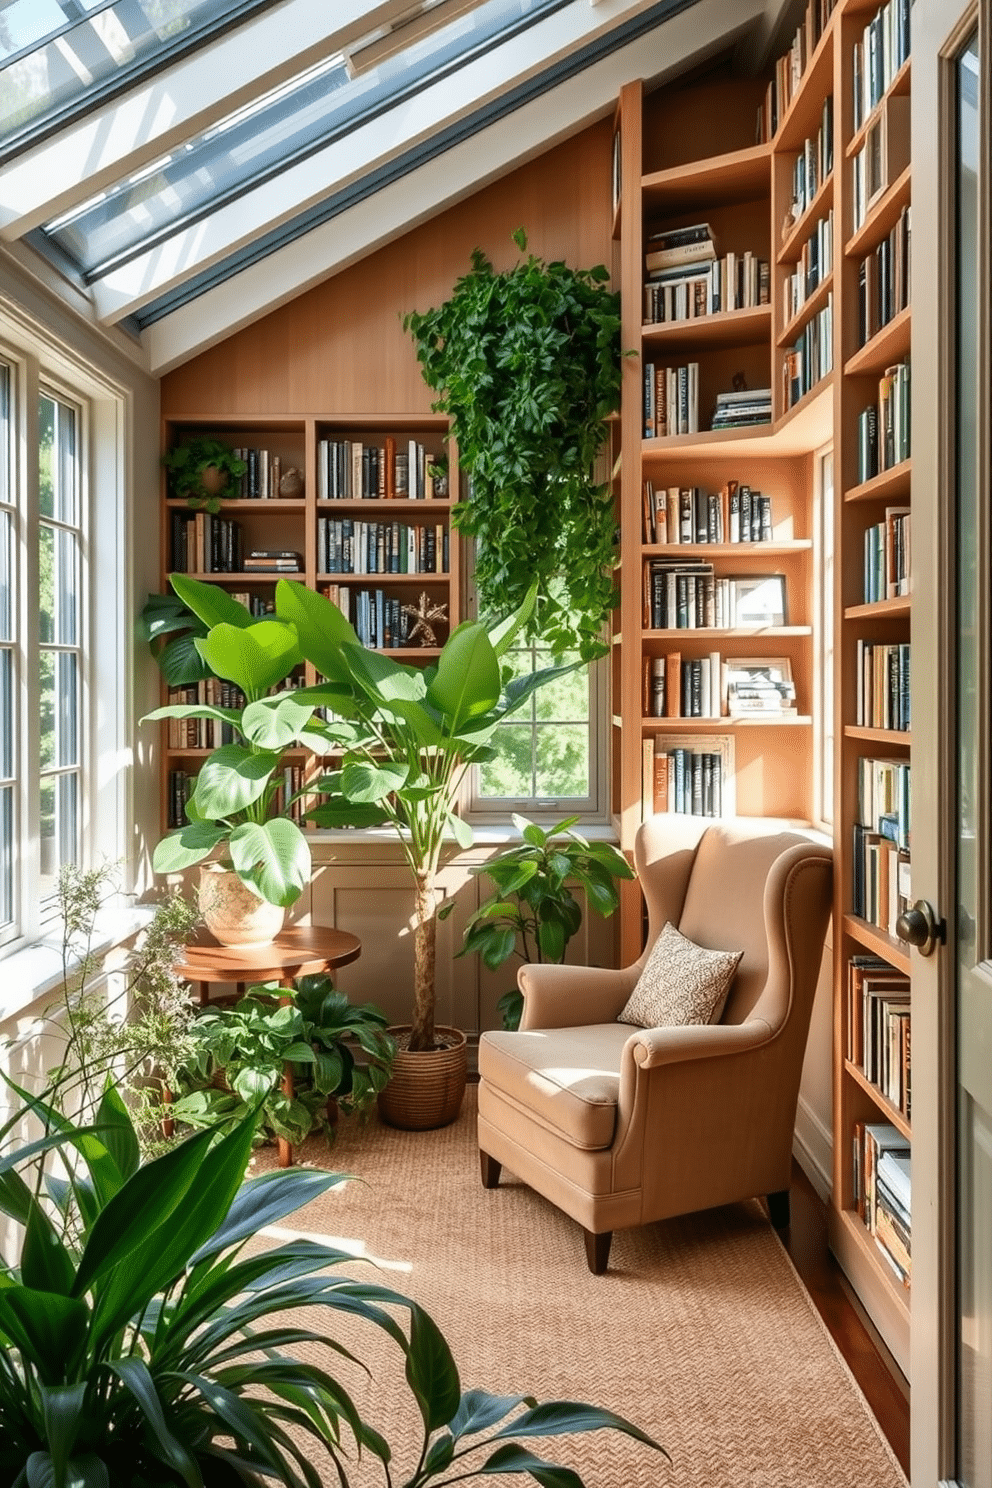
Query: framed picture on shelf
(759, 684)
(758, 600)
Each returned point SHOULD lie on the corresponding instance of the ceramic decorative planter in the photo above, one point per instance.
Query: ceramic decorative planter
(426, 1089)
(233, 914)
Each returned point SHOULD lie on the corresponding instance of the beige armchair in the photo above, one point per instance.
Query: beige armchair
(620, 1126)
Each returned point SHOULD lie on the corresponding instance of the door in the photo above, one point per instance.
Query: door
(952, 695)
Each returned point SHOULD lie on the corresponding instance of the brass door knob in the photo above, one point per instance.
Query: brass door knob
(921, 928)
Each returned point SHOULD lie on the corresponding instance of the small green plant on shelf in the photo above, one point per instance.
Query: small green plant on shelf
(338, 1054)
(533, 913)
(526, 362)
(202, 471)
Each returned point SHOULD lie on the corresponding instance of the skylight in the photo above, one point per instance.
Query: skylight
(284, 125)
(58, 53)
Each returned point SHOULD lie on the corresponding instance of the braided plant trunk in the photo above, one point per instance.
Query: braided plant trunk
(424, 959)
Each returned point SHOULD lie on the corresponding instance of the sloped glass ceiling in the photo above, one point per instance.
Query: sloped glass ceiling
(54, 53)
(282, 126)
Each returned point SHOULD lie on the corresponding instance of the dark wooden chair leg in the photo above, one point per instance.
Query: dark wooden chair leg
(598, 1251)
(491, 1170)
(778, 1209)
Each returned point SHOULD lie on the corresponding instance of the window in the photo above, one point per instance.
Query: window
(549, 753)
(65, 783)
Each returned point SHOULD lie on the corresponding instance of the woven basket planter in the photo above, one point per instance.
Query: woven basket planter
(425, 1090)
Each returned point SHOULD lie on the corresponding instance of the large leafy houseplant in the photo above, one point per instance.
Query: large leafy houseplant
(239, 1056)
(202, 470)
(526, 362)
(143, 1346)
(533, 913)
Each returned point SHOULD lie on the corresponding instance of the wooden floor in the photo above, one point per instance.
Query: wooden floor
(881, 1382)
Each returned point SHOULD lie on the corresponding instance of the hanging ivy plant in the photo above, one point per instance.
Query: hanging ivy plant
(526, 363)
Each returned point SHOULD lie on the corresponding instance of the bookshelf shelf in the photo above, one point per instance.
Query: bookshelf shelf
(367, 580)
(882, 217)
(728, 550)
(723, 723)
(891, 738)
(272, 506)
(888, 485)
(888, 345)
(376, 509)
(726, 328)
(899, 87)
(800, 231)
(889, 1111)
(738, 633)
(811, 306)
(885, 1299)
(878, 942)
(882, 609)
(805, 427)
(737, 176)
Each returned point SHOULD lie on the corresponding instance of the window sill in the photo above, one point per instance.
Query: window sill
(35, 971)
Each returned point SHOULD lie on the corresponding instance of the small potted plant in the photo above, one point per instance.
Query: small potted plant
(533, 914)
(203, 470)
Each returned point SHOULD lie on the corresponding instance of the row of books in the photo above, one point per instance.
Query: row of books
(200, 542)
(882, 670)
(382, 621)
(883, 1191)
(734, 282)
(814, 162)
(711, 687)
(884, 798)
(273, 560)
(880, 879)
(688, 514)
(884, 427)
(790, 67)
(742, 407)
(690, 596)
(811, 358)
(671, 400)
(878, 56)
(203, 733)
(878, 1027)
(882, 158)
(263, 472)
(691, 776)
(883, 279)
(398, 468)
(347, 546)
(888, 556)
(815, 262)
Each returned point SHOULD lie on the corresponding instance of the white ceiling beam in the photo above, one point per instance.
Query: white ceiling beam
(706, 28)
(154, 117)
(190, 250)
(404, 32)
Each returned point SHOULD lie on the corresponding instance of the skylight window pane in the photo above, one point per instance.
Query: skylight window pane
(287, 124)
(51, 58)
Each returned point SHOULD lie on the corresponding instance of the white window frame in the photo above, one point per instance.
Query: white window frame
(42, 364)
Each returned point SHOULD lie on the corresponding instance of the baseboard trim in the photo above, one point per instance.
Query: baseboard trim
(812, 1147)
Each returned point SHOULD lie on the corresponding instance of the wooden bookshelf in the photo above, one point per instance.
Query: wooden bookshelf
(296, 523)
(728, 185)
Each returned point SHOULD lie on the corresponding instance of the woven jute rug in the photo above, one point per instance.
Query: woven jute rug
(700, 1332)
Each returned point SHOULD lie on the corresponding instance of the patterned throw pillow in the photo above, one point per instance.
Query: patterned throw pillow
(681, 983)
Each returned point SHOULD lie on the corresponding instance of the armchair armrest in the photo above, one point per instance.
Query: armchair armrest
(651, 1047)
(571, 996)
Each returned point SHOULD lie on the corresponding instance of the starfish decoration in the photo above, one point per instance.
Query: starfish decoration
(423, 614)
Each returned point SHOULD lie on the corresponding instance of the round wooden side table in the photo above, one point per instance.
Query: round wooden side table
(302, 950)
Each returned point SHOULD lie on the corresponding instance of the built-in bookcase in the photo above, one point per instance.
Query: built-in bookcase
(367, 522)
(825, 199)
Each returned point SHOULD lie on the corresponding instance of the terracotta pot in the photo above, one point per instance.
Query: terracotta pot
(233, 914)
(425, 1090)
(213, 479)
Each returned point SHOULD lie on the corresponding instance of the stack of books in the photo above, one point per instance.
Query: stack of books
(273, 560)
(737, 410)
(686, 278)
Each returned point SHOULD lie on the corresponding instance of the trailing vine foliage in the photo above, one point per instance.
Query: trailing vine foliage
(526, 363)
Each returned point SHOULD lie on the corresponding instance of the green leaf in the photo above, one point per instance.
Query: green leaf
(478, 1411)
(118, 1135)
(265, 1201)
(276, 723)
(565, 1417)
(62, 1412)
(431, 1372)
(255, 659)
(461, 830)
(467, 681)
(320, 627)
(210, 602)
(49, 1329)
(514, 1459)
(273, 858)
(369, 781)
(135, 1375)
(231, 779)
(46, 1265)
(191, 844)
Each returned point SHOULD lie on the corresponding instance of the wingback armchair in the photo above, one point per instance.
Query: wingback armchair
(619, 1126)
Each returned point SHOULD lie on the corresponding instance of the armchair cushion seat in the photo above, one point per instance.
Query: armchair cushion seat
(568, 1080)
